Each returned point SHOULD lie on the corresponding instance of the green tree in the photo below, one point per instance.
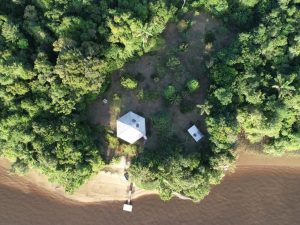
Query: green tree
(224, 96)
(283, 85)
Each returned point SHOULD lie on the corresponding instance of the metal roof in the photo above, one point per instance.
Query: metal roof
(131, 127)
(195, 133)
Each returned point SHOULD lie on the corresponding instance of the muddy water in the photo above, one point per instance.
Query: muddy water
(252, 195)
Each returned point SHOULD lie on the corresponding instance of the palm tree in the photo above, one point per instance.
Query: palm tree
(144, 33)
(283, 85)
(205, 108)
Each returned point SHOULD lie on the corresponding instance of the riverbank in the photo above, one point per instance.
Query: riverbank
(108, 185)
(111, 185)
(261, 191)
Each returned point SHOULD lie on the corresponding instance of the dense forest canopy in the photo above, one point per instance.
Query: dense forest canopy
(56, 56)
(257, 80)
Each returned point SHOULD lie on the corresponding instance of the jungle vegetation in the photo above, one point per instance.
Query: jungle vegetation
(254, 92)
(56, 57)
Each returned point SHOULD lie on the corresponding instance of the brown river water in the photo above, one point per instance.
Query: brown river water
(266, 194)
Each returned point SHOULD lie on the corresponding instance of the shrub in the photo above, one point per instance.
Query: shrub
(169, 92)
(192, 85)
(182, 25)
(116, 97)
(19, 167)
(115, 160)
(149, 185)
(176, 100)
(165, 193)
(129, 150)
(129, 82)
(172, 96)
(173, 62)
(112, 141)
(196, 13)
(183, 47)
(208, 47)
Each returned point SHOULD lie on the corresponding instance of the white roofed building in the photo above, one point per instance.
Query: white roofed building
(195, 133)
(131, 127)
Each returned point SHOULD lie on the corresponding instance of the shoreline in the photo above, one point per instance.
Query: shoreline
(109, 187)
(265, 196)
(102, 187)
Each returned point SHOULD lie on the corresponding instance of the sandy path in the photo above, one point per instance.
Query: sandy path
(257, 193)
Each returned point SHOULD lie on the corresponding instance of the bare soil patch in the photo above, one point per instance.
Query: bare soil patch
(194, 54)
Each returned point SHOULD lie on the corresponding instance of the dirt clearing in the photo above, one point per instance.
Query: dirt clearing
(186, 56)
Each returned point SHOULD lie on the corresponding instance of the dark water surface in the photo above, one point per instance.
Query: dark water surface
(260, 195)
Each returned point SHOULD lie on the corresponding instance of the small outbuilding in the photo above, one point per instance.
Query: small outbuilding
(195, 133)
(131, 127)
